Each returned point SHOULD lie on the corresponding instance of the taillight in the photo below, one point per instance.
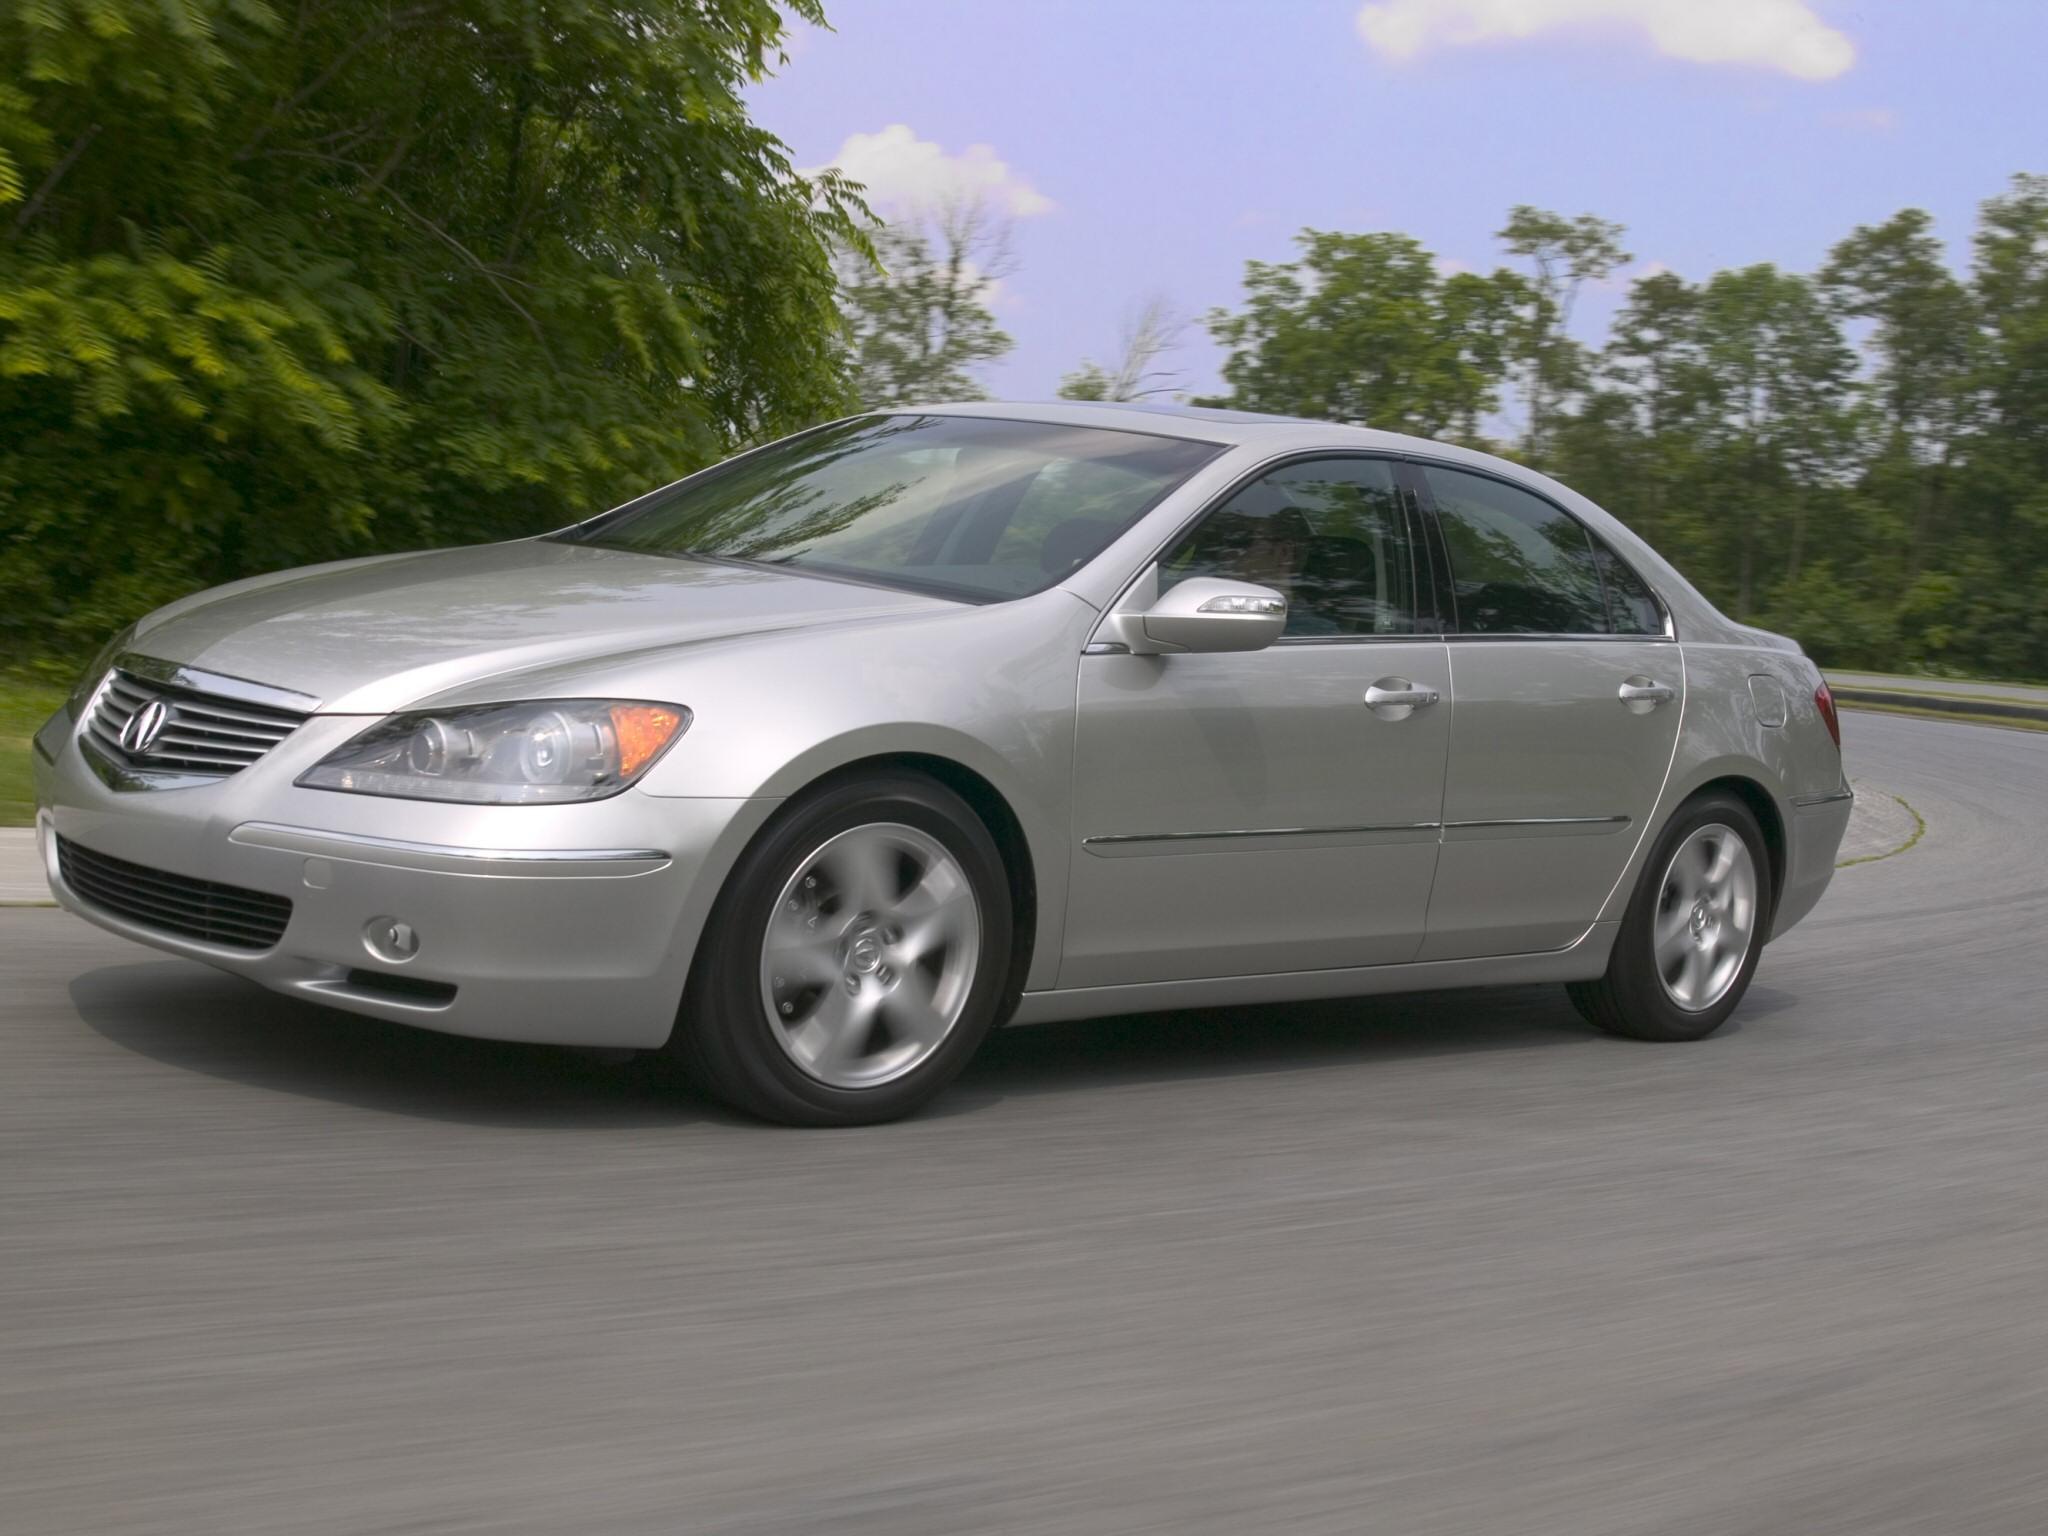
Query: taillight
(1825, 702)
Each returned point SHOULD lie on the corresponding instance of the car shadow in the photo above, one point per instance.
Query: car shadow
(200, 1020)
(1227, 1042)
(204, 1021)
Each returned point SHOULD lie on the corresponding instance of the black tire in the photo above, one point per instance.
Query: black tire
(1633, 998)
(725, 1036)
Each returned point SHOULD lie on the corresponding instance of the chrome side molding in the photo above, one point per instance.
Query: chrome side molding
(1107, 844)
(1120, 838)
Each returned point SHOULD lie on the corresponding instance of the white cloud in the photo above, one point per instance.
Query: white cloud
(1784, 35)
(905, 174)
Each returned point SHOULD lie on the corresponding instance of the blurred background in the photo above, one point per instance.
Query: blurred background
(290, 283)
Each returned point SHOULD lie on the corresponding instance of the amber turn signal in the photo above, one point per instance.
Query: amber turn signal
(642, 730)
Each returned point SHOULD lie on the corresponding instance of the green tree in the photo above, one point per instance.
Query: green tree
(1923, 343)
(1635, 444)
(1149, 332)
(1776, 371)
(280, 285)
(1566, 254)
(1998, 618)
(1723, 418)
(1883, 499)
(1365, 329)
(917, 314)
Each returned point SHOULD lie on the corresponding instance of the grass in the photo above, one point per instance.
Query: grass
(1919, 831)
(1942, 678)
(25, 703)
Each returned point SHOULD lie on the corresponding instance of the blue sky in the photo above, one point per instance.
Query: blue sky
(1154, 145)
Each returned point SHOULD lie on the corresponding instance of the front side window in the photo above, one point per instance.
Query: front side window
(1328, 534)
(956, 505)
(1519, 565)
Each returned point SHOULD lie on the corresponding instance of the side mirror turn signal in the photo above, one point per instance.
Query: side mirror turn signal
(1209, 613)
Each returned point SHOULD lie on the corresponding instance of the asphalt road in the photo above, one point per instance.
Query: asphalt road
(1445, 1264)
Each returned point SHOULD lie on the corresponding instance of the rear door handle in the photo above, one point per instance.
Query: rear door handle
(1640, 695)
(1395, 698)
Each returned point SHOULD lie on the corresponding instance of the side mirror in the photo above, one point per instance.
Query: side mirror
(1208, 613)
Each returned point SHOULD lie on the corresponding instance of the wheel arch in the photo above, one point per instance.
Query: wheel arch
(996, 814)
(995, 809)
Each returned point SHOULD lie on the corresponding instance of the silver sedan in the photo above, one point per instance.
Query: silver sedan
(814, 767)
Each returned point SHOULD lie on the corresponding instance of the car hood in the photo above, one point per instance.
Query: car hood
(370, 636)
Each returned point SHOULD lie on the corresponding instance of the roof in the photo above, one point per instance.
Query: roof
(1168, 420)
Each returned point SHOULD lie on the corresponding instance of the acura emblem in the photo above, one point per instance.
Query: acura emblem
(143, 728)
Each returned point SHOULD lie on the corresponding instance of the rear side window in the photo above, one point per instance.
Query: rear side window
(1519, 566)
(1632, 608)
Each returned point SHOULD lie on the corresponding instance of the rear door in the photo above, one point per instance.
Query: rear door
(1569, 692)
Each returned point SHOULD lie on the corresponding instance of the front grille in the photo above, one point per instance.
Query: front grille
(206, 910)
(202, 732)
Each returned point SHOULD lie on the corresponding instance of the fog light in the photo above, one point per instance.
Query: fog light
(389, 939)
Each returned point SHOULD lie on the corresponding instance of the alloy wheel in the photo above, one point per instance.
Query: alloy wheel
(870, 954)
(1706, 917)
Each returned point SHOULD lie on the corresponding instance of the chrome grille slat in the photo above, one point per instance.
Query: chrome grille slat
(207, 910)
(169, 746)
(236, 756)
(230, 714)
(202, 732)
(185, 722)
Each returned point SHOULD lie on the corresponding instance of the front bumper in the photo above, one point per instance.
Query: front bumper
(569, 925)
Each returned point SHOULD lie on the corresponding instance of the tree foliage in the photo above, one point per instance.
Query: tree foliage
(1858, 457)
(283, 282)
(1364, 328)
(1565, 255)
(1150, 331)
(917, 314)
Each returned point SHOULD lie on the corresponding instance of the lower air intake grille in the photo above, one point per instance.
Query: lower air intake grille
(206, 910)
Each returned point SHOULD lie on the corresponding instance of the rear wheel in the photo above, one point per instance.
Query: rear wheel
(856, 959)
(1694, 929)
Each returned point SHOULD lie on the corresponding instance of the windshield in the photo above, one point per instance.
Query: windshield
(957, 505)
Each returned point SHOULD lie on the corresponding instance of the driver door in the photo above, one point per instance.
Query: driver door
(1244, 813)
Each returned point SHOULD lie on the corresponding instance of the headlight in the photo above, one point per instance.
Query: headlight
(102, 664)
(541, 753)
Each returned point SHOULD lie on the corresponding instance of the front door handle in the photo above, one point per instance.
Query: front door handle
(1640, 695)
(1395, 698)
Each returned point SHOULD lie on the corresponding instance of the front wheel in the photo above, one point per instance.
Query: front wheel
(1694, 929)
(856, 959)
